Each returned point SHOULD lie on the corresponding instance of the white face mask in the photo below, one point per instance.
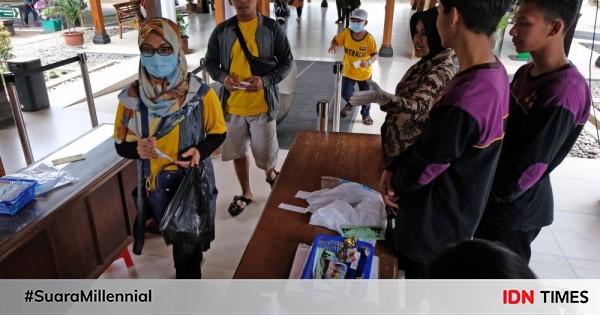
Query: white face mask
(356, 27)
(160, 66)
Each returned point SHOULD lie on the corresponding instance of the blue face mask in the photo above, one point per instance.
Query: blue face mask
(160, 66)
(356, 27)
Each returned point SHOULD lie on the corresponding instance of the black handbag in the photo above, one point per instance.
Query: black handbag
(166, 184)
(259, 66)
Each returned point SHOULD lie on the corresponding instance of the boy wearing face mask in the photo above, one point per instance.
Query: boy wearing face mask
(360, 52)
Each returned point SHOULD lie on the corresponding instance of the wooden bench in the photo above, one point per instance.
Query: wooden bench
(129, 14)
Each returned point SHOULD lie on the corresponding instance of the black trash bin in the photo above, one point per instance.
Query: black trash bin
(31, 89)
(10, 27)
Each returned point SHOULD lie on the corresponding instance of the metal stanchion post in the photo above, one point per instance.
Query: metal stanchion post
(205, 76)
(11, 92)
(88, 89)
(337, 98)
(322, 109)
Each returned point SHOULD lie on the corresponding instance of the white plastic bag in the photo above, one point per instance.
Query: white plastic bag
(346, 204)
(48, 178)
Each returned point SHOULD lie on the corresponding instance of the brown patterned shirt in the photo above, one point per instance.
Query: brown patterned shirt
(415, 93)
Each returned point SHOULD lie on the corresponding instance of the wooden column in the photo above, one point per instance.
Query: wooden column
(425, 5)
(263, 7)
(219, 11)
(152, 8)
(100, 36)
(386, 46)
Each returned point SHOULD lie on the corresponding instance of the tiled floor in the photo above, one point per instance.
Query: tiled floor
(570, 248)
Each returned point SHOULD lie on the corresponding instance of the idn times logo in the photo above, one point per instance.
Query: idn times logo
(547, 297)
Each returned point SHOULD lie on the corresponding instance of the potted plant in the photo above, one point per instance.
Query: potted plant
(50, 22)
(72, 11)
(191, 6)
(183, 34)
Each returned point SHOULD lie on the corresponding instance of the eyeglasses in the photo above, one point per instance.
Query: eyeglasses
(148, 51)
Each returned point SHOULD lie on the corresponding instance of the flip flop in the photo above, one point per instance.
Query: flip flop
(235, 208)
(272, 181)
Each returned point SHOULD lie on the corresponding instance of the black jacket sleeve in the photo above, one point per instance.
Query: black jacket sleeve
(127, 150)
(283, 52)
(449, 131)
(213, 55)
(210, 144)
(551, 127)
(206, 147)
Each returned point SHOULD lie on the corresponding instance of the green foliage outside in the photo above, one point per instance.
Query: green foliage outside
(72, 10)
(182, 26)
(503, 21)
(5, 48)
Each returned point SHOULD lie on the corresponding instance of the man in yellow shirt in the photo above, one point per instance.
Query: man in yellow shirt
(360, 52)
(250, 99)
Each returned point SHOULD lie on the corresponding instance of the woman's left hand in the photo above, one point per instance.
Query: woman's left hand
(194, 160)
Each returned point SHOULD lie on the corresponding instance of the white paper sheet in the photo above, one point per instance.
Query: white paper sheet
(286, 206)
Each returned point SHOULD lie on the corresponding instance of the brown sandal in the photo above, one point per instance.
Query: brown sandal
(347, 110)
(367, 120)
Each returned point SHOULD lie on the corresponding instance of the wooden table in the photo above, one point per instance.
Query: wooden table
(79, 230)
(355, 157)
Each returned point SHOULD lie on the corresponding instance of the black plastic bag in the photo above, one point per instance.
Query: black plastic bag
(187, 213)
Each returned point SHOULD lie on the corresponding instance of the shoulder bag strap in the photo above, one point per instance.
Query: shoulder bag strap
(145, 134)
(242, 41)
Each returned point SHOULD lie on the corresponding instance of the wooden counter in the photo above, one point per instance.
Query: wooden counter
(355, 157)
(79, 229)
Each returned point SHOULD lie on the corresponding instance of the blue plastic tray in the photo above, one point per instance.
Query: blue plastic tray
(12, 206)
(334, 244)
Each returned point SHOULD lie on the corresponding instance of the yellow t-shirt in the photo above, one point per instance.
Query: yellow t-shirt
(356, 50)
(126, 120)
(240, 102)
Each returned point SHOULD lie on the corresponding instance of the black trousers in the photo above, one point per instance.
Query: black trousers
(339, 4)
(347, 13)
(187, 258)
(517, 241)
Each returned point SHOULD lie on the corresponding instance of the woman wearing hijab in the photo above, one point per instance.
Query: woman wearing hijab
(168, 120)
(416, 92)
